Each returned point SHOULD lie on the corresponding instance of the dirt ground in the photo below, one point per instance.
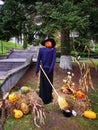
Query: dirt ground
(59, 74)
(56, 120)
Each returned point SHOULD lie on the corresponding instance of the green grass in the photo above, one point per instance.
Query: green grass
(94, 100)
(27, 121)
(90, 61)
(6, 46)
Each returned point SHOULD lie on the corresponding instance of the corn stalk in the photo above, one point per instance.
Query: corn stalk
(85, 81)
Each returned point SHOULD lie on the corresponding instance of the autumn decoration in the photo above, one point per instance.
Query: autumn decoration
(17, 113)
(77, 96)
(26, 100)
(12, 97)
(89, 114)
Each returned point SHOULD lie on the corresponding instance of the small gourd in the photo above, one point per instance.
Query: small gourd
(24, 108)
(89, 114)
(17, 113)
(80, 94)
(25, 89)
(12, 98)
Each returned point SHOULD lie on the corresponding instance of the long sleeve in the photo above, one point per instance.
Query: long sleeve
(47, 56)
(38, 61)
(53, 60)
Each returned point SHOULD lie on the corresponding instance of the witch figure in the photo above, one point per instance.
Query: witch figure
(46, 58)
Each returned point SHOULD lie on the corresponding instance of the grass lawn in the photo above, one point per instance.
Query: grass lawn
(6, 46)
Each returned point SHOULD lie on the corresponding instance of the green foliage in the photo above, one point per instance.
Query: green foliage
(6, 46)
(14, 20)
(65, 15)
(78, 53)
(11, 20)
(94, 23)
(19, 17)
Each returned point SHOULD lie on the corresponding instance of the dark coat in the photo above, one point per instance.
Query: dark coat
(46, 57)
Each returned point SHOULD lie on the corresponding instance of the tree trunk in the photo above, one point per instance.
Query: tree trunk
(65, 42)
(65, 59)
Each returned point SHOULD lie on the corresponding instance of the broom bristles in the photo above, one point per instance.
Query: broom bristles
(62, 103)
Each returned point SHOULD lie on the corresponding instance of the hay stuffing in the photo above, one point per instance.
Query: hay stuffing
(79, 105)
(69, 92)
(29, 97)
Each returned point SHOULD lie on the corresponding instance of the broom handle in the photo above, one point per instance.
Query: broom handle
(49, 80)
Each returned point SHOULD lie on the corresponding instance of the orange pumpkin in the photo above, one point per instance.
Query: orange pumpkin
(80, 94)
(12, 97)
(48, 44)
(17, 113)
(89, 114)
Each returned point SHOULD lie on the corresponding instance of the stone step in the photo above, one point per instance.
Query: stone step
(5, 66)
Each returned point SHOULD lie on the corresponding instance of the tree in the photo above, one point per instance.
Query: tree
(65, 16)
(62, 15)
(14, 20)
(93, 27)
(10, 20)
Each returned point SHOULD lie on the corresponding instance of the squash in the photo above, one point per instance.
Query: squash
(12, 98)
(25, 89)
(80, 94)
(89, 114)
(17, 113)
(48, 44)
(24, 108)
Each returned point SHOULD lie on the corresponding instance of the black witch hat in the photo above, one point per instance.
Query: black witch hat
(49, 39)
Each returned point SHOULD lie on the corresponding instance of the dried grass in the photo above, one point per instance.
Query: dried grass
(31, 96)
(85, 81)
(79, 105)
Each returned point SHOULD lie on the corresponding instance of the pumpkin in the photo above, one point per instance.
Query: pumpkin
(17, 113)
(80, 94)
(25, 89)
(24, 108)
(89, 114)
(12, 98)
(48, 44)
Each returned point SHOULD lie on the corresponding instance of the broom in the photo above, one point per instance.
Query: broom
(61, 101)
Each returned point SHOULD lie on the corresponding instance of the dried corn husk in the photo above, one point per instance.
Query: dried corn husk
(79, 105)
(31, 96)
